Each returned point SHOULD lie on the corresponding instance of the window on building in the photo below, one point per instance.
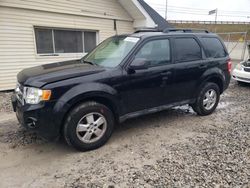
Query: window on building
(49, 41)
(89, 41)
(187, 49)
(44, 41)
(68, 41)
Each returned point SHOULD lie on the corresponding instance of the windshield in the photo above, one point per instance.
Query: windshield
(112, 51)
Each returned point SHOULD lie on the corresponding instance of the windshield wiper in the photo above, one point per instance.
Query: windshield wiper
(89, 62)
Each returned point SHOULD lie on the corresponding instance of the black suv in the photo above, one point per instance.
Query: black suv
(124, 77)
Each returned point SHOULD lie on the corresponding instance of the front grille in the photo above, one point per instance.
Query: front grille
(247, 69)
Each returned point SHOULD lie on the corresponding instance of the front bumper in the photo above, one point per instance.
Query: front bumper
(241, 75)
(39, 118)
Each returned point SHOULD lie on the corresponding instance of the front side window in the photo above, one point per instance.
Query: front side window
(112, 51)
(50, 41)
(156, 52)
(187, 49)
(213, 47)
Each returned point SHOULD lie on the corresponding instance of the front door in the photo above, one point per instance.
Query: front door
(148, 88)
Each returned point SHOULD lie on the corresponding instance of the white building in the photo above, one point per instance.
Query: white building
(34, 32)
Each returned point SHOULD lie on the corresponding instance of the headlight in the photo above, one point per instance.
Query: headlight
(35, 95)
(239, 67)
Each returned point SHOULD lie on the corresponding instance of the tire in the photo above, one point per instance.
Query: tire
(84, 122)
(241, 83)
(202, 107)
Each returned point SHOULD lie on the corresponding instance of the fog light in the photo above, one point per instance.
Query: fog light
(31, 122)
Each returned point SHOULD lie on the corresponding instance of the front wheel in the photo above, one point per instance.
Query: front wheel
(207, 100)
(88, 126)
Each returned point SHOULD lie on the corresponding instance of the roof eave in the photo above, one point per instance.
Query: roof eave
(141, 17)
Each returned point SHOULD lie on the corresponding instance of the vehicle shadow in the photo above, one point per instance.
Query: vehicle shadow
(17, 137)
(243, 84)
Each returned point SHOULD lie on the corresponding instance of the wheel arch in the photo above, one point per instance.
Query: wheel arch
(99, 93)
(214, 75)
(98, 97)
(217, 80)
(94, 98)
(214, 78)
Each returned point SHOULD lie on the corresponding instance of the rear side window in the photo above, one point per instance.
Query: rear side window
(187, 49)
(213, 47)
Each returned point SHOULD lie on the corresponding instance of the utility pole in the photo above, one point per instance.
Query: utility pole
(216, 13)
(166, 10)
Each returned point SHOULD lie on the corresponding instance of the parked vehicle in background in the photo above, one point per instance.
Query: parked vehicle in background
(241, 73)
(125, 76)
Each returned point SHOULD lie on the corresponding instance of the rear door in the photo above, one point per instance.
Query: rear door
(190, 64)
(217, 55)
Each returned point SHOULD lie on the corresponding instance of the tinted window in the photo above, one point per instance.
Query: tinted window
(155, 52)
(213, 47)
(187, 49)
(44, 42)
(68, 41)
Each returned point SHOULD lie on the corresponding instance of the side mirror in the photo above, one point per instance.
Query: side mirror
(139, 64)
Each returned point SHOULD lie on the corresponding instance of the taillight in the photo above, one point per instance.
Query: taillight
(229, 66)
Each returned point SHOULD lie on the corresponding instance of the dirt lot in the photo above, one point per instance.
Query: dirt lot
(174, 148)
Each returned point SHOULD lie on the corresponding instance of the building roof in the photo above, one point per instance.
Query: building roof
(143, 15)
(157, 18)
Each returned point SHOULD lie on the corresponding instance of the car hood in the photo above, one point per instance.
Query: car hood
(246, 63)
(48, 73)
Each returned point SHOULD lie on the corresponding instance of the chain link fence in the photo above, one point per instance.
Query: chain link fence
(236, 43)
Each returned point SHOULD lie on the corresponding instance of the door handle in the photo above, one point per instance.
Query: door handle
(168, 73)
(202, 66)
(165, 78)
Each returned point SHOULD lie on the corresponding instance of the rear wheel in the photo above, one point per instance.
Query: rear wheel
(207, 100)
(88, 126)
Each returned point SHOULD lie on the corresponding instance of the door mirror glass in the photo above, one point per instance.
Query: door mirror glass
(139, 64)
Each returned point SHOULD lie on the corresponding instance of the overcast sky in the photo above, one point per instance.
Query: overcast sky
(228, 10)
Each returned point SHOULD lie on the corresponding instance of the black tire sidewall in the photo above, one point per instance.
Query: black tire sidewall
(74, 117)
(200, 108)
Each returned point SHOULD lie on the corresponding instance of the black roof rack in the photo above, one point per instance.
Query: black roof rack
(168, 30)
(185, 30)
(147, 30)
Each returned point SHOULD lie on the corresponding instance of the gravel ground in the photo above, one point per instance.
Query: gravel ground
(174, 148)
(5, 102)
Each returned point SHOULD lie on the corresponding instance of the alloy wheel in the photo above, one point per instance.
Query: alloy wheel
(209, 99)
(91, 127)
